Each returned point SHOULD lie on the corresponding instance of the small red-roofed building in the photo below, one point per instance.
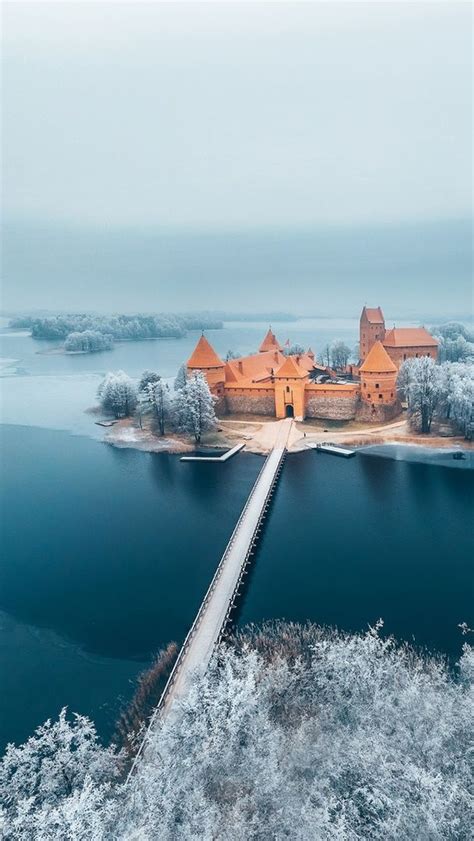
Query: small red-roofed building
(400, 342)
(403, 343)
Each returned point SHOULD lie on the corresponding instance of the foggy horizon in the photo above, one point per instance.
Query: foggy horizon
(191, 156)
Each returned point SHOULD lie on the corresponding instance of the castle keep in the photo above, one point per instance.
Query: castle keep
(271, 383)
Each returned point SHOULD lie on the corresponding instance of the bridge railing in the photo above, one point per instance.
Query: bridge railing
(202, 609)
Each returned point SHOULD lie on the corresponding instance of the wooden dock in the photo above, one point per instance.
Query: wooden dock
(224, 457)
(332, 449)
(214, 613)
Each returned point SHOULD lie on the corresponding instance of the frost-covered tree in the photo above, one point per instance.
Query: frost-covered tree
(294, 732)
(231, 354)
(302, 733)
(88, 341)
(146, 378)
(118, 394)
(340, 354)
(456, 342)
(460, 398)
(420, 380)
(181, 378)
(325, 355)
(156, 396)
(53, 763)
(194, 407)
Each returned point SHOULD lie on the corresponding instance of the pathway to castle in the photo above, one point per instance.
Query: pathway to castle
(213, 615)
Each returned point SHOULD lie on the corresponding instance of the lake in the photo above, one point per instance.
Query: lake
(107, 553)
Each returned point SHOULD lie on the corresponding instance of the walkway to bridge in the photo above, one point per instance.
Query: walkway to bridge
(213, 615)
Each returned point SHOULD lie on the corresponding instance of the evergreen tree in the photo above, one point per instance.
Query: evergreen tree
(181, 378)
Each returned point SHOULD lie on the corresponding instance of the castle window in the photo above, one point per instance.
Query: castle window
(380, 396)
(428, 354)
(391, 394)
(365, 385)
(404, 356)
(288, 388)
(416, 356)
(376, 385)
(368, 396)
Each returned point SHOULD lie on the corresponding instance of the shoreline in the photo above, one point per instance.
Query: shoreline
(258, 437)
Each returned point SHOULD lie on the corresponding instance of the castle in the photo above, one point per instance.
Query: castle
(272, 383)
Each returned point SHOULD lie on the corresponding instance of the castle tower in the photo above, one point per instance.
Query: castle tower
(270, 342)
(205, 359)
(378, 379)
(372, 329)
(289, 380)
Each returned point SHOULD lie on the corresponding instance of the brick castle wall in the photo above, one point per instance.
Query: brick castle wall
(378, 414)
(332, 408)
(250, 404)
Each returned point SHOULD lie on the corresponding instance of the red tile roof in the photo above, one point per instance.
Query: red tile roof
(373, 314)
(291, 370)
(204, 356)
(409, 337)
(270, 342)
(378, 361)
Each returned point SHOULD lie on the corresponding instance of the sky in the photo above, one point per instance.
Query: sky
(126, 119)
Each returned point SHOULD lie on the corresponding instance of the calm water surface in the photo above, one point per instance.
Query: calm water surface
(106, 553)
(353, 540)
(110, 552)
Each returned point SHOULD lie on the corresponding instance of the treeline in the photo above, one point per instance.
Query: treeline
(456, 341)
(294, 732)
(188, 409)
(438, 392)
(109, 328)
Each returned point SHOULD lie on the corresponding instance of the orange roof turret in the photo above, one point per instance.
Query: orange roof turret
(290, 370)
(378, 361)
(204, 356)
(270, 342)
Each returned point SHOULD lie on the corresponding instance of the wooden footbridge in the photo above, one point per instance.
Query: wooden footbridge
(214, 614)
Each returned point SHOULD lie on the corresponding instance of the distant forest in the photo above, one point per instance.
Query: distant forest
(90, 333)
(86, 332)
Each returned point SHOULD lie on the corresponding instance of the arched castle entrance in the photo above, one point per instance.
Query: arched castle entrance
(290, 412)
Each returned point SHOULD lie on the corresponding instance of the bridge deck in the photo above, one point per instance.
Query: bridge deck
(212, 617)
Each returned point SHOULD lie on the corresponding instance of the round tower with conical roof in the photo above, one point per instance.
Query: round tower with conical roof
(205, 359)
(378, 384)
